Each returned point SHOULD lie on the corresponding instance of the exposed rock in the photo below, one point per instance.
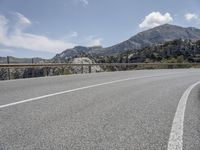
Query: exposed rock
(84, 60)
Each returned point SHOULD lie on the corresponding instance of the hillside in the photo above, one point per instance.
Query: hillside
(149, 37)
(78, 50)
(176, 51)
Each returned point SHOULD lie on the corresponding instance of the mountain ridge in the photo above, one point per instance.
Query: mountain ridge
(153, 36)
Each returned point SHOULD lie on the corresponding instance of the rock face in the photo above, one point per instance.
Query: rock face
(84, 60)
(149, 37)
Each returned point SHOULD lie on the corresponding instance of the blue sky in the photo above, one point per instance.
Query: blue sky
(42, 28)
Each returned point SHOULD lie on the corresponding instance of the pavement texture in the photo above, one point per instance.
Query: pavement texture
(135, 114)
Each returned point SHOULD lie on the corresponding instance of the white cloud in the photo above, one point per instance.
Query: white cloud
(155, 19)
(21, 22)
(17, 38)
(74, 34)
(94, 41)
(191, 16)
(22, 19)
(85, 2)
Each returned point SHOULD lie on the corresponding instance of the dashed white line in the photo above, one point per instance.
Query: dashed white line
(176, 136)
(77, 89)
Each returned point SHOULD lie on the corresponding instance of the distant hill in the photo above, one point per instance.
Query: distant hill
(157, 35)
(21, 60)
(78, 50)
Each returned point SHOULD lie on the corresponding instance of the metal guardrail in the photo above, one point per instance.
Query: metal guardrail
(124, 65)
(30, 65)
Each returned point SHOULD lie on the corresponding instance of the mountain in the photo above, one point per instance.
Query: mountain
(78, 50)
(157, 35)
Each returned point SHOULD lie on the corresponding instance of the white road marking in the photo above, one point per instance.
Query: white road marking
(176, 136)
(77, 89)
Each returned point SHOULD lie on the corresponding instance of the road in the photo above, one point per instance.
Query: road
(132, 110)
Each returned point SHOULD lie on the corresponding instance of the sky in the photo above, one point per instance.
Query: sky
(43, 28)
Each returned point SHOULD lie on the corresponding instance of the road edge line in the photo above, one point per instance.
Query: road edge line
(176, 135)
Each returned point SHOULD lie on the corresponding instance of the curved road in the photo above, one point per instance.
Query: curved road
(133, 110)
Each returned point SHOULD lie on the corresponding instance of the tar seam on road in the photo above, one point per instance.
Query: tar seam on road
(176, 136)
(77, 89)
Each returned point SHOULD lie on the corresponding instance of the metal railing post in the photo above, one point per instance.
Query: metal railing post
(8, 71)
(45, 71)
(90, 68)
(82, 68)
(63, 70)
(33, 69)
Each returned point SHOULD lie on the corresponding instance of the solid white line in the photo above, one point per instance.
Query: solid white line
(176, 136)
(77, 89)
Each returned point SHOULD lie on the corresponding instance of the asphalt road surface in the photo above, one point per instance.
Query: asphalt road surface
(132, 110)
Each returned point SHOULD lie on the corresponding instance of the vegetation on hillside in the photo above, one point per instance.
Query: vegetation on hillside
(176, 51)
